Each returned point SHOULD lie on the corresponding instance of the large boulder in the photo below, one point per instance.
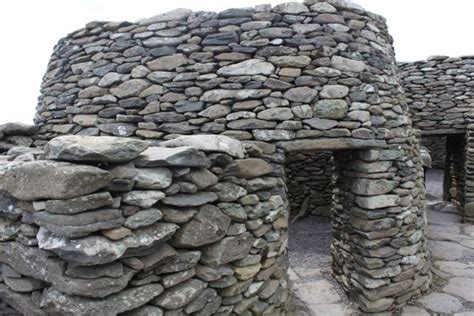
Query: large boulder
(93, 148)
(43, 179)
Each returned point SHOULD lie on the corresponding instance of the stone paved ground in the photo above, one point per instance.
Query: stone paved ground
(452, 248)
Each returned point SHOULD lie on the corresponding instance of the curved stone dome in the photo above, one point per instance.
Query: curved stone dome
(298, 77)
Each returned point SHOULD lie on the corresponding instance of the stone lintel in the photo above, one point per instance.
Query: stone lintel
(330, 144)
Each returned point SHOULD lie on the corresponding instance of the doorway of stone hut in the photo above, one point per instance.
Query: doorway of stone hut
(310, 180)
(445, 178)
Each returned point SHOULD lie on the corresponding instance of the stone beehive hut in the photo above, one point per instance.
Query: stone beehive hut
(440, 93)
(202, 229)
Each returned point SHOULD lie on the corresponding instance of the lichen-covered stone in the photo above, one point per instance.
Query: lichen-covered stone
(91, 148)
(51, 180)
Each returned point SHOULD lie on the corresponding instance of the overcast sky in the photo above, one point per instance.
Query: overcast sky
(30, 28)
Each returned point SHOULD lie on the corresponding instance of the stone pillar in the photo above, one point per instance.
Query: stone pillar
(379, 246)
(469, 174)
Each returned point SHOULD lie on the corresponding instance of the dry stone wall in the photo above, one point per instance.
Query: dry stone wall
(105, 225)
(294, 78)
(295, 71)
(440, 93)
(309, 179)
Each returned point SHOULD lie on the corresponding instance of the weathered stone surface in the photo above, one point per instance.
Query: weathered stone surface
(143, 218)
(146, 310)
(202, 178)
(441, 303)
(209, 143)
(334, 92)
(167, 63)
(291, 8)
(18, 129)
(77, 205)
(153, 178)
(79, 225)
(278, 114)
(330, 144)
(208, 226)
(290, 61)
(235, 211)
(301, 94)
(244, 94)
(143, 199)
(95, 250)
(373, 187)
(178, 14)
(113, 270)
(227, 250)
(130, 88)
(228, 192)
(91, 148)
(21, 302)
(38, 264)
(113, 304)
(118, 129)
(461, 287)
(51, 180)
(23, 284)
(189, 200)
(179, 156)
(222, 38)
(330, 109)
(345, 64)
(180, 295)
(249, 168)
(247, 68)
(177, 215)
(379, 201)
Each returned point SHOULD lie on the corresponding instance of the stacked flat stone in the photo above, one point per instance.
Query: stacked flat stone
(298, 77)
(16, 135)
(467, 175)
(440, 93)
(107, 225)
(296, 71)
(309, 179)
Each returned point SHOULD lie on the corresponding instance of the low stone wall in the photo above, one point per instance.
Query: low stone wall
(105, 225)
(309, 179)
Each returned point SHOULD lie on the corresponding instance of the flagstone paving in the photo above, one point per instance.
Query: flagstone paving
(452, 248)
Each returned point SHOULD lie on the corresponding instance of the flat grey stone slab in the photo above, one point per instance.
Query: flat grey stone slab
(441, 303)
(317, 292)
(462, 287)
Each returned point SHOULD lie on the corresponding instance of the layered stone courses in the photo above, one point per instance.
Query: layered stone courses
(295, 78)
(439, 93)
